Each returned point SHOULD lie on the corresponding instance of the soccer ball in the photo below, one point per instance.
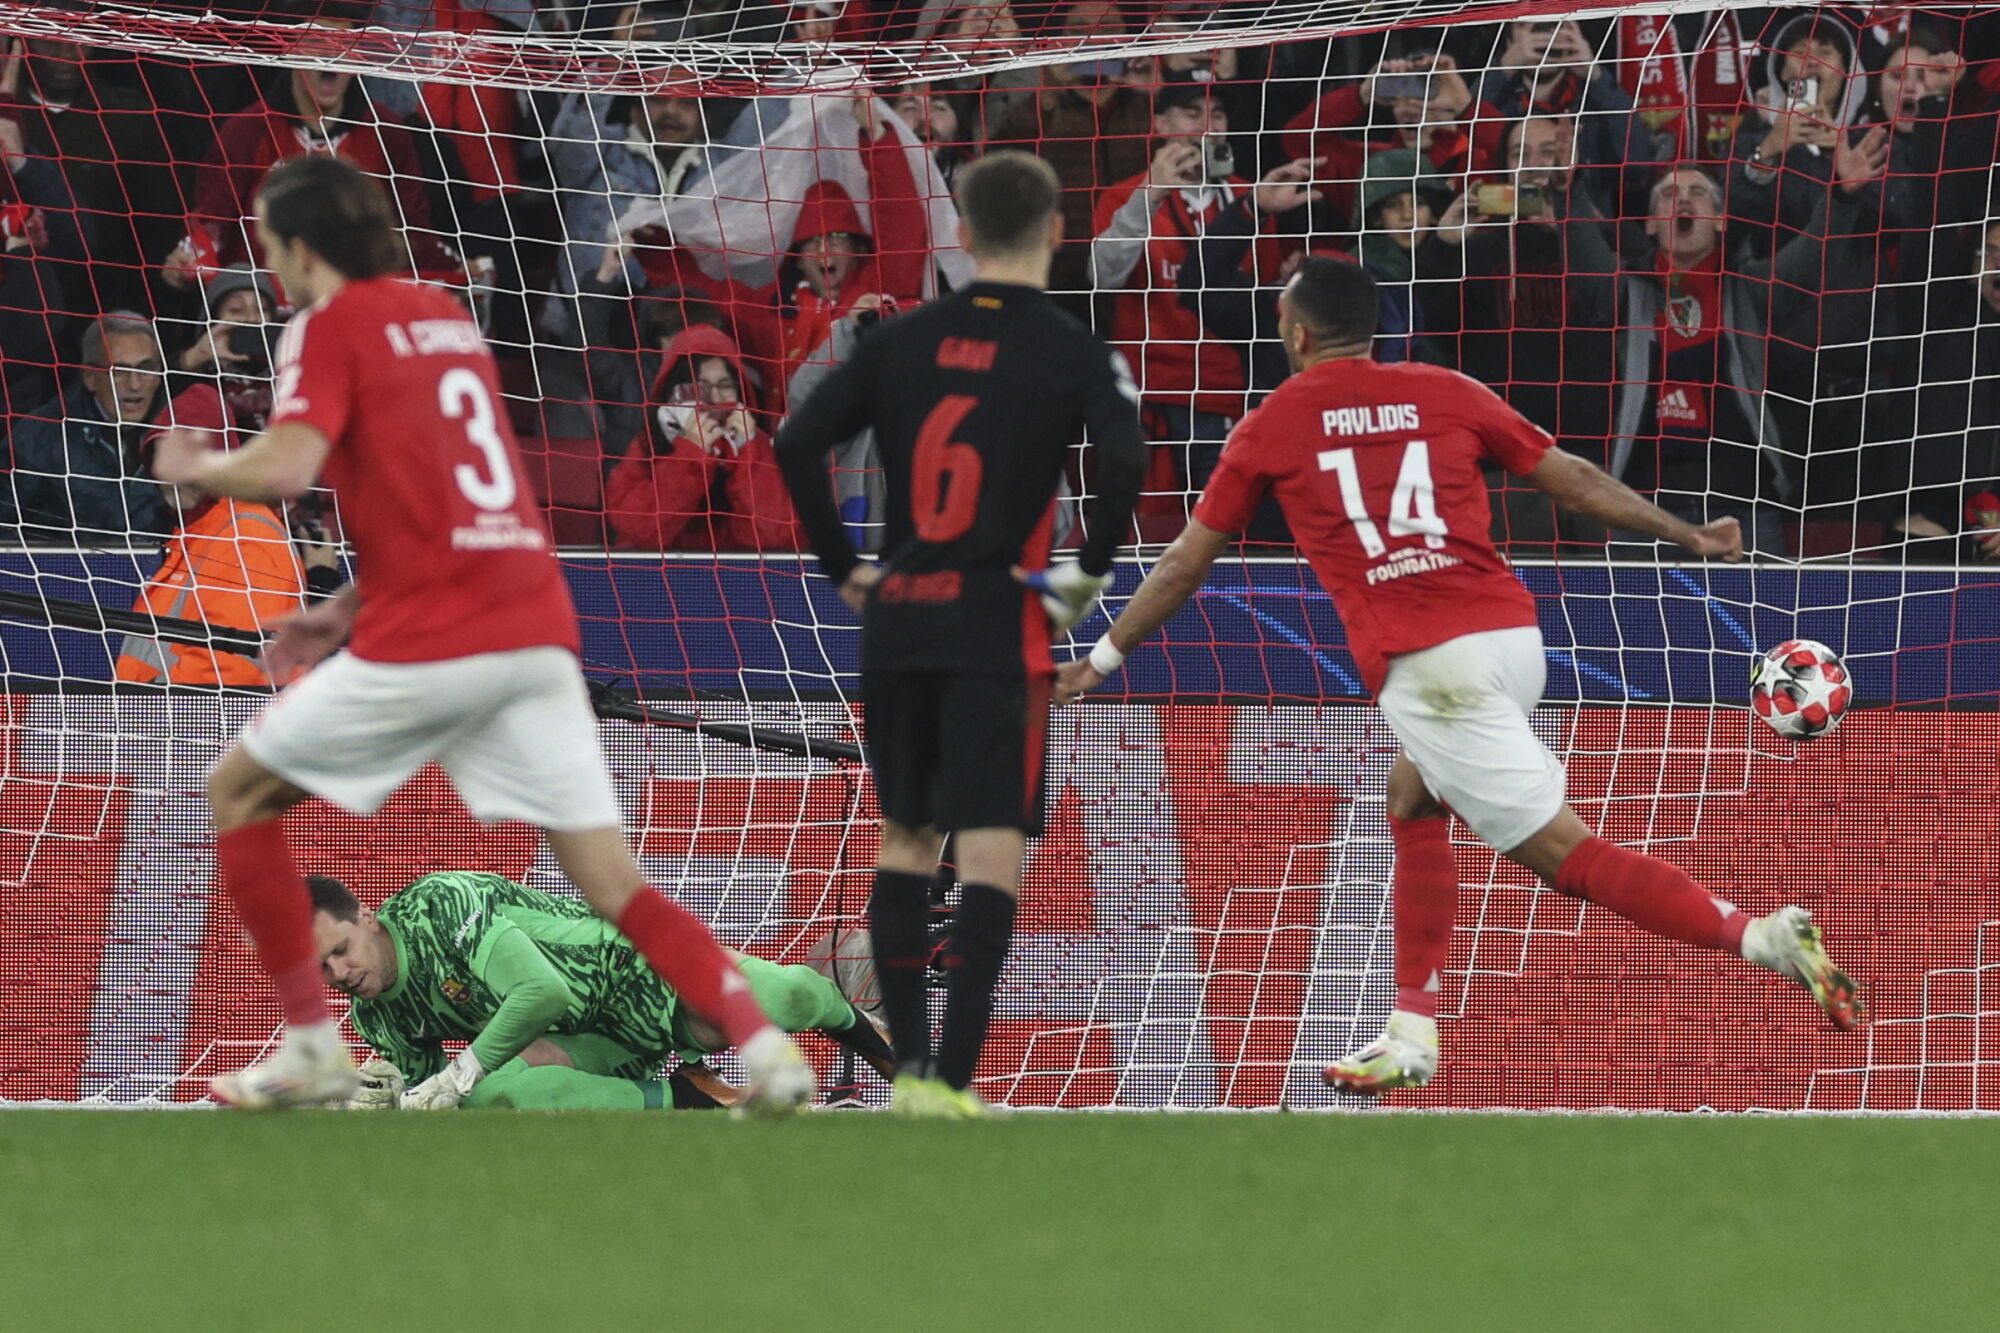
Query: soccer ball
(1801, 689)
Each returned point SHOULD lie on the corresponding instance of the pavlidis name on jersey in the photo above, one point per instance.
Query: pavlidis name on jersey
(498, 532)
(1376, 419)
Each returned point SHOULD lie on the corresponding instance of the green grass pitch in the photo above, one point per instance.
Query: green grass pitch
(1102, 1222)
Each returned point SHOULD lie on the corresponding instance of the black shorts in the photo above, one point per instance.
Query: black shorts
(955, 750)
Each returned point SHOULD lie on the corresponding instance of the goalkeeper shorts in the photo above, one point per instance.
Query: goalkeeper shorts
(513, 730)
(1461, 710)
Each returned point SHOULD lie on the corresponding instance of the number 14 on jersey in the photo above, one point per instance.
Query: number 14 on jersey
(1412, 505)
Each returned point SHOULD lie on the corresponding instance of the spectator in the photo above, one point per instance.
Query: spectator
(228, 563)
(1528, 286)
(106, 145)
(1547, 68)
(30, 287)
(1939, 487)
(1942, 146)
(1418, 103)
(992, 22)
(938, 118)
(1091, 126)
(239, 301)
(608, 153)
(1400, 206)
(1783, 160)
(1520, 283)
(77, 476)
(1695, 331)
(1236, 79)
(700, 474)
(1192, 389)
(813, 20)
(319, 111)
(1216, 286)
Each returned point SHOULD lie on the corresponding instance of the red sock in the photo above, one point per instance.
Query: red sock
(681, 950)
(1426, 901)
(270, 895)
(1651, 894)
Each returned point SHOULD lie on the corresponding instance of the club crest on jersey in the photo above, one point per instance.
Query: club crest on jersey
(455, 992)
(1684, 315)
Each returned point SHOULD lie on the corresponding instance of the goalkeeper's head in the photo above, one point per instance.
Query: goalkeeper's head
(356, 953)
(1010, 216)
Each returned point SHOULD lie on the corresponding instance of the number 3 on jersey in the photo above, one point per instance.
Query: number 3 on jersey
(945, 474)
(462, 396)
(1412, 505)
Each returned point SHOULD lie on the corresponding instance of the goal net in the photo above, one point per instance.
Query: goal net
(1744, 258)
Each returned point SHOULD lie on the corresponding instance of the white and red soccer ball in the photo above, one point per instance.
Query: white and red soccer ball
(1801, 689)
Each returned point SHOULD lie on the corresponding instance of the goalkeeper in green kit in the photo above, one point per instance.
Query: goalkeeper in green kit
(558, 1008)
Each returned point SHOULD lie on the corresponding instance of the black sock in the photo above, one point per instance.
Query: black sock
(898, 917)
(980, 934)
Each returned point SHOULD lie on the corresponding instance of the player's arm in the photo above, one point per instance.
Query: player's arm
(1111, 417)
(1177, 577)
(834, 413)
(533, 998)
(281, 464)
(1580, 486)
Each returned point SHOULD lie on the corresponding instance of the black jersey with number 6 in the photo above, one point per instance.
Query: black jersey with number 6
(976, 401)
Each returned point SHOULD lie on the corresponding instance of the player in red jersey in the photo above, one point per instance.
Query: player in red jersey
(1377, 470)
(461, 639)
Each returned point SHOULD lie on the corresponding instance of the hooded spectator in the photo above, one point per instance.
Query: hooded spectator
(1398, 242)
(700, 474)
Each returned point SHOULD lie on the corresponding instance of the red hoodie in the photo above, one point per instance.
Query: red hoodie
(899, 245)
(674, 495)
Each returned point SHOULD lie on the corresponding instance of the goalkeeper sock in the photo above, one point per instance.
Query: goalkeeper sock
(264, 883)
(1426, 901)
(899, 928)
(980, 934)
(682, 951)
(1651, 894)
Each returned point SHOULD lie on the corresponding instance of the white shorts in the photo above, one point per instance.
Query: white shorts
(514, 731)
(1461, 711)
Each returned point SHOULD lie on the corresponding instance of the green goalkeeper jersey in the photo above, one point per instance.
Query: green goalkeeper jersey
(482, 959)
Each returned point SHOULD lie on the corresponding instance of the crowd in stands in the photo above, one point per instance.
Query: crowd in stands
(1776, 297)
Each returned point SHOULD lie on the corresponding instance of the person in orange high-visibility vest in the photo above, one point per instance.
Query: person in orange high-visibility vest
(230, 564)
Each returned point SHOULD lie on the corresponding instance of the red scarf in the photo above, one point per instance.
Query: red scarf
(1690, 318)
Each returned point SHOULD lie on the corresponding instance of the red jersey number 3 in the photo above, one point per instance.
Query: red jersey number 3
(462, 397)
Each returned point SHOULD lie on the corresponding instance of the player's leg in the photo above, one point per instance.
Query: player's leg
(798, 999)
(982, 931)
(534, 756)
(900, 711)
(351, 732)
(1426, 899)
(991, 789)
(518, 1086)
(1664, 900)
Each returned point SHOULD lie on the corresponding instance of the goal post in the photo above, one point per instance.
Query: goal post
(1741, 261)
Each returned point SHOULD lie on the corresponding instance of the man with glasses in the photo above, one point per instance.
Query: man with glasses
(77, 478)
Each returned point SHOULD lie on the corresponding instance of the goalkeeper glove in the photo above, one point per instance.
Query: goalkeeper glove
(382, 1087)
(1068, 594)
(447, 1088)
